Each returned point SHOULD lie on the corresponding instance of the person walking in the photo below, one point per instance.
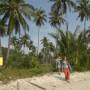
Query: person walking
(66, 69)
(58, 64)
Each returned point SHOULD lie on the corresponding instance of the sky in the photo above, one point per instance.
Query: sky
(44, 30)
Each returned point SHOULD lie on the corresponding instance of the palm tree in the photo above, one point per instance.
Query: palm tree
(14, 13)
(16, 43)
(61, 6)
(32, 48)
(83, 9)
(25, 40)
(45, 49)
(82, 45)
(61, 41)
(74, 47)
(56, 20)
(40, 19)
(51, 49)
(44, 42)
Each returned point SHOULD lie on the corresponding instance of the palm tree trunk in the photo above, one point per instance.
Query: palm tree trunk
(8, 49)
(77, 56)
(85, 24)
(38, 41)
(67, 39)
(0, 41)
(84, 28)
(0, 46)
(76, 61)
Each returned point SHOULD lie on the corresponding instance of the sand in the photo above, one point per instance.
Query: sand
(78, 81)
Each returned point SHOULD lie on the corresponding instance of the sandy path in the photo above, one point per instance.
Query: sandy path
(79, 81)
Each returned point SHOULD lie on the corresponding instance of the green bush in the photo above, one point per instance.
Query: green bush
(15, 60)
(20, 60)
(35, 62)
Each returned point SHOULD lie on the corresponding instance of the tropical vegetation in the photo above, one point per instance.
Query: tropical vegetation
(22, 57)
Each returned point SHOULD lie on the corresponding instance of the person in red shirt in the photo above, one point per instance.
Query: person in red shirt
(66, 69)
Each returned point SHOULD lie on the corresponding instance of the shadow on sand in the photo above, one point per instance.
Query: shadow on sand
(60, 78)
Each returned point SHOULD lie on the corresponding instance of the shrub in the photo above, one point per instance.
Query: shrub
(20, 60)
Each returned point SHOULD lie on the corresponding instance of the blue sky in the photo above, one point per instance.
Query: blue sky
(44, 30)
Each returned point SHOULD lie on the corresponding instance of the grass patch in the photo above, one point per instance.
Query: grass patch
(10, 73)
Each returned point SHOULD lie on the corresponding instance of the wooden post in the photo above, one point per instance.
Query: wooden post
(18, 86)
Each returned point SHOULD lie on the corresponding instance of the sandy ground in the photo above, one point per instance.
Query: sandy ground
(78, 81)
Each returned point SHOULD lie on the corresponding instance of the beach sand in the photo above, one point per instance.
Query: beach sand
(54, 81)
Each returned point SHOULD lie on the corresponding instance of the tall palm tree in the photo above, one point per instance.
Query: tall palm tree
(83, 9)
(40, 19)
(14, 13)
(56, 20)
